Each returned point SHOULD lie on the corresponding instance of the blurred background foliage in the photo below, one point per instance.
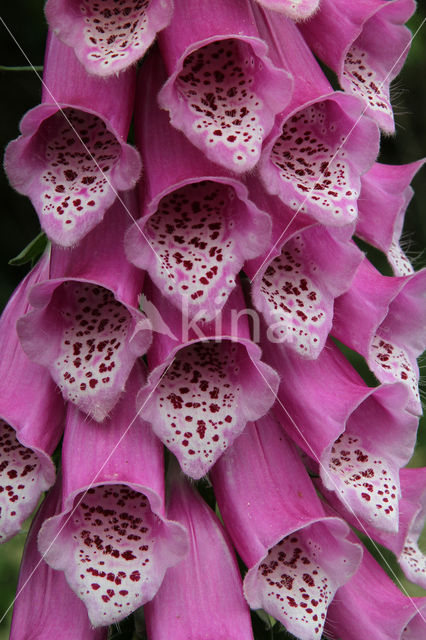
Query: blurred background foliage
(23, 34)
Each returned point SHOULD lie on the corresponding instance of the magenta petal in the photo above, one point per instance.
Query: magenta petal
(31, 417)
(45, 607)
(297, 557)
(72, 156)
(204, 389)
(366, 44)
(202, 596)
(319, 146)
(85, 327)
(295, 287)
(370, 605)
(362, 467)
(198, 225)
(383, 319)
(112, 538)
(108, 37)
(385, 194)
(228, 116)
(294, 9)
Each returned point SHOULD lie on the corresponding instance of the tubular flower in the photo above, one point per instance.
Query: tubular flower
(111, 537)
(39, 586)
(31, 417)
(220, 613)
(72, 156)
(108, 36)
(349, 38)
(209, 356)
(85, 326)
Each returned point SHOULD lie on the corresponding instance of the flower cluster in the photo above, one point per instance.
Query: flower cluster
(185, 324)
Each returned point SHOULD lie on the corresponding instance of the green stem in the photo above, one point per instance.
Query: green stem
(33, 68)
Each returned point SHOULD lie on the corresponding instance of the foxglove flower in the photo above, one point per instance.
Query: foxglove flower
(223, 92)
(319, 146)
(340, 425)
(31, 417)
(72, 156)
(85, 326)
(199, 225)
(206, 385)
(382, 318)
(297, 557)
(412, 516)
(295, 283)
(385, 195)
(366, 45)
(370, 605)
(210, 602)
(112, 538)
(108, 37)
(45, 606)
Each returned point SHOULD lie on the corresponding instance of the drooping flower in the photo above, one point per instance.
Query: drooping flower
(111, 537)
(295, 283)
(319, 145)
(201, 597)
(385, 195)
(199, 224)
(205, 385)
(85, 326)
(31, 417)
(108, 36)
(340, 423)
(382, 318)
(296, 555)
(45, 606)
(366, 45)
(370, 605)
(223, 92)
(72, 156)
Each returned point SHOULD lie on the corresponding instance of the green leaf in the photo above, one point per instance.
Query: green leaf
(32, 251)
(266, 618)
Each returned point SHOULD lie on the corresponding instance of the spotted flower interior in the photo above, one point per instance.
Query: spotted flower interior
(220, 102)
(108, 35)
(295, 583)
(23, 478)
(314, 172)
(204, 400)
(197, 245)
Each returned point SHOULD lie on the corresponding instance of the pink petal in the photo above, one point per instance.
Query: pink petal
(319, 146)
(294, 285)
(31, 417)
(229, 115)
(108, 37)
(202, 391)
(112, 538)
(385, 195)
(72, 156)
(366, 45)
(296, 556)
(89, 335)
(198, 225)
(45, 606)
(370, 605)
(201, 597)
(383, 319)
(294, 9)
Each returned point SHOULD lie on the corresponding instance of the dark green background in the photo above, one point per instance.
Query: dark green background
(21, 90)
